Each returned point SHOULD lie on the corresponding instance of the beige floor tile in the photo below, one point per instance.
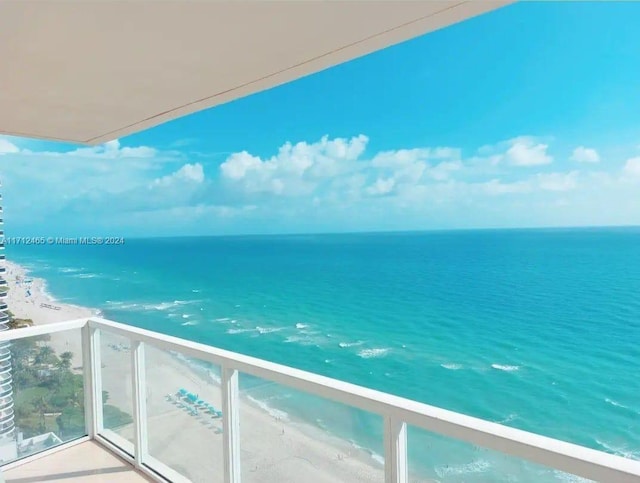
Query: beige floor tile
(86, 462)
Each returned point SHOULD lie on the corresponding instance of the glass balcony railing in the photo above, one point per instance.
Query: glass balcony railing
(42, 393)
(185, 411)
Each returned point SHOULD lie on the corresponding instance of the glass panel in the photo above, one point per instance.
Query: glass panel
(183, 415)
(41, 393)
(434, 457)
(117, 398)
(287, 435)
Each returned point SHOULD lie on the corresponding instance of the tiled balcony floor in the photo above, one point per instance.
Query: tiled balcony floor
(85, 462)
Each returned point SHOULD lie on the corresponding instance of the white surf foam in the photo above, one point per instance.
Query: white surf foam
(300, 325)
(85, 275)
(508, 419)
(123, 305)
(350, 344)
(304, 339)
(373, 353)
(239, 331)
(620, 450)
(168, 305)
(276, 413)
(71, 270)
(268, 330)
(616, 404)
(374, 456)
(569, 478)
(477, 466)
(507, 368)
(451, 366)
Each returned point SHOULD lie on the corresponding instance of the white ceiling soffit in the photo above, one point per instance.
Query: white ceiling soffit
(91, 71)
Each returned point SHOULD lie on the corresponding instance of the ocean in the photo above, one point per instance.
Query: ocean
(535, 329)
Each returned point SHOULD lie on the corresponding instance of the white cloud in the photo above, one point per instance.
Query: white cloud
(381, 187)
(497, 187)
(239, 164)
(632, 167)
(331, 179)
(524, 151)
(399, 158)
(404, 157)
(444, 170)
(585, 155)
(557, 181)
(296, 169)
(7, 147)
(112, 150)
(189, 173)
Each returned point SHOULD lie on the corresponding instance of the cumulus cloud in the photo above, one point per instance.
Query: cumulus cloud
(404, 157)
(189, 173)
(557, 181)
(296, 169)
(444, 170)
(497, 187)
(113, 149)
(331, 178)
(381, 187)
(632, 167)
(585, 155)
(7, 147)
(524, 151)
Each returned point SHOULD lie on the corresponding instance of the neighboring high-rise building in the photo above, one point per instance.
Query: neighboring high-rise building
(8, 445)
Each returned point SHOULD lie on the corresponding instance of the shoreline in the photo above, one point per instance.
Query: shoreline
(274, 448)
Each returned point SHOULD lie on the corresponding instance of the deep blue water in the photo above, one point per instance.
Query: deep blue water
(539, 329)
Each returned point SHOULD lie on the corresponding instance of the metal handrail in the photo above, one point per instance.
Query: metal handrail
(397, 412)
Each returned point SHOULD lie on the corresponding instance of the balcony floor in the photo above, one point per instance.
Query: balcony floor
(85, 462)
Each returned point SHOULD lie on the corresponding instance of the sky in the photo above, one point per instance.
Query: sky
(528, 116)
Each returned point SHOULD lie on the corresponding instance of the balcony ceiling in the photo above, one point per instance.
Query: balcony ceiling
(89, 72)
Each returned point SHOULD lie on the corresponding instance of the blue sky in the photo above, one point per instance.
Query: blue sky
(527, 116)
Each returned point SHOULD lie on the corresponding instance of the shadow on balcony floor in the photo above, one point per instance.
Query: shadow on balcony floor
(86, 462)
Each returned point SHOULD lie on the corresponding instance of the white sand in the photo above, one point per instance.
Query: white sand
(273, 449)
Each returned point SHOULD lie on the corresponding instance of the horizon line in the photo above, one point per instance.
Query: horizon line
(330, 233)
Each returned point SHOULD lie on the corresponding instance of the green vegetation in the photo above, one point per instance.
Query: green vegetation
(16, 323)
(19, 323)
(48, 395)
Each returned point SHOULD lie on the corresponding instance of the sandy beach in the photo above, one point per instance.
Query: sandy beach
(273, 448)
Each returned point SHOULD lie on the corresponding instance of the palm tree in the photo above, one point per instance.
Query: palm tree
(42, 407)
(65, 360)
(44, 354)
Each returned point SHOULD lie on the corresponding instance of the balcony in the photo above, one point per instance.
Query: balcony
(85, 462)
(160, 408)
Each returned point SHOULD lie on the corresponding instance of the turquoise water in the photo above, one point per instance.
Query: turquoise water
(538, 329)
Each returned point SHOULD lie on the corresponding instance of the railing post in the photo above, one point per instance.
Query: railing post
(395, 451)
(139, 391)
(230, 425)
(92, 369)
